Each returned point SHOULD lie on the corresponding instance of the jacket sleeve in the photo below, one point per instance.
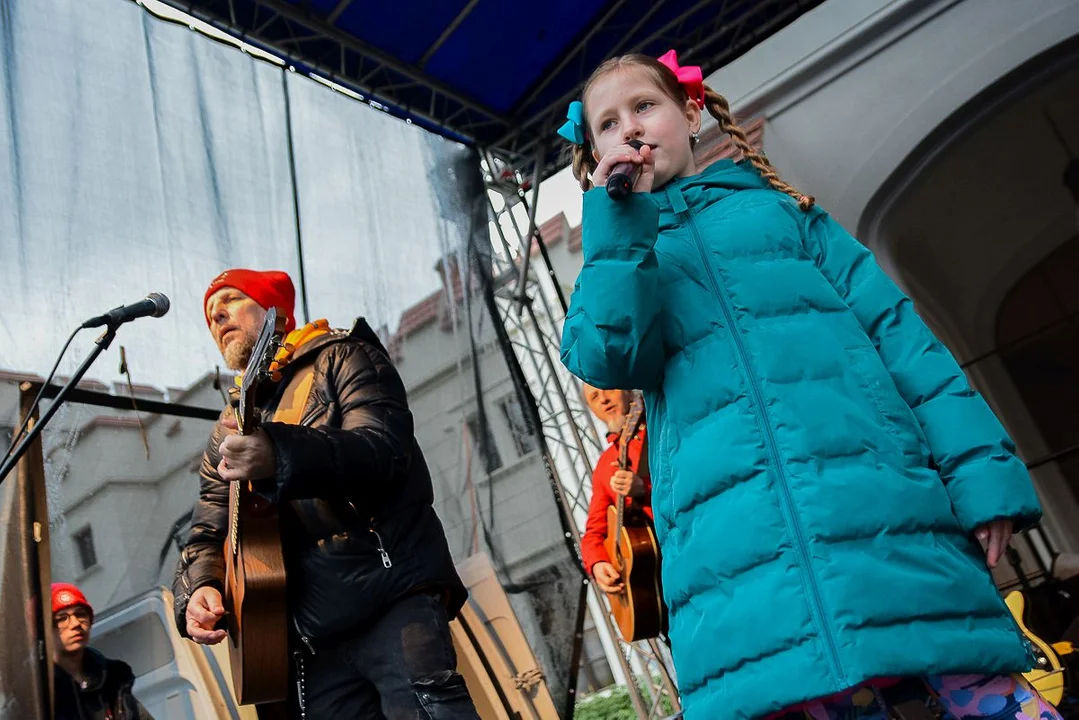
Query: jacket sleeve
(612, 336)
(359, 458)
(595, 530)
(973, 453)
(202, 559)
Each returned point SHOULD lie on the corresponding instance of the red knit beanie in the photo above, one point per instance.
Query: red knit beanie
(66, 595)
(269, 288)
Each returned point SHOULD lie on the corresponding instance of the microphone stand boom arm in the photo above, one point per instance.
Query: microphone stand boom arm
(100, 345)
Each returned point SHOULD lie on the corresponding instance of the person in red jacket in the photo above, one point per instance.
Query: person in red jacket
(610, 484)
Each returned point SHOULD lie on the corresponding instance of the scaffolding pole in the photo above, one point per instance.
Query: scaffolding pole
(531, 307)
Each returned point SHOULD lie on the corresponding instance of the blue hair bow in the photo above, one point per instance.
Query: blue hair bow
(571, 129)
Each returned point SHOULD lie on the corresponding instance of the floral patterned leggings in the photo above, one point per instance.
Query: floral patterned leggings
(958, 697)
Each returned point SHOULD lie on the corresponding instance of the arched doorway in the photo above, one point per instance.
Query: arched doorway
(1037, 334)
(977, 225)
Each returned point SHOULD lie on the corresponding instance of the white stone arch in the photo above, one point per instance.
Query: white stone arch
(906, 172)
(972, 336)
(1007, 67)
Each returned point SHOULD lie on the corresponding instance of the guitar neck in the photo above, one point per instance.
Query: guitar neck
(629, 430)
(250, 427)
(259, 370)
(246, 419)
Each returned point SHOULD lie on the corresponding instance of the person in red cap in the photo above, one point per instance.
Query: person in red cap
(89, 686)
(372, 585)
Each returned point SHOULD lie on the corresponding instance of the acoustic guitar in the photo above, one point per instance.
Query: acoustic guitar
(257, 619)
(1049, 675)
(638, 610)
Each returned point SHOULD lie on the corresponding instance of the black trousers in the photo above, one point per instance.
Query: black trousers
(401, 668)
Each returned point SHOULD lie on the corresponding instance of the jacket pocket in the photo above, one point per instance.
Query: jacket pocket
(864, 364)
(898, 418)
(343, 584)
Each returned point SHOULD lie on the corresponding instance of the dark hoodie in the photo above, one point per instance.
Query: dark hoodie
(105, 692)
(358, 524)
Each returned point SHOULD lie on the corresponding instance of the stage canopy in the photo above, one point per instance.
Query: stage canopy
(494, 74)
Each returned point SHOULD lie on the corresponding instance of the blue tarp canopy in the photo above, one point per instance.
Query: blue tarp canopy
(495, 74)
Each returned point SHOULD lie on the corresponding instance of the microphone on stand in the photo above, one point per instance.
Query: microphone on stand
(623, 175)
(155, 305)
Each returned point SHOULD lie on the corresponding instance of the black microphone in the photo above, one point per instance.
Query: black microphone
(623, 175)
(155, 305)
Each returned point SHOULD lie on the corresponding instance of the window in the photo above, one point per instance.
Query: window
(483, 444)
(524, 439)
(84, 545)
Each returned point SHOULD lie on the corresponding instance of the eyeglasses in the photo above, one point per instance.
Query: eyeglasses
(81, 614)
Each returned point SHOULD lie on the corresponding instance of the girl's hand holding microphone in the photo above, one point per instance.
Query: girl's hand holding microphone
(627, 154)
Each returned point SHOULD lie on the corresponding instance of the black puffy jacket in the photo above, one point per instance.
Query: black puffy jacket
(104, 693)
(358, 526)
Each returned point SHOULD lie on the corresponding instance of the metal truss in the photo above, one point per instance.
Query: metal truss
(531, 307)
(710, 33)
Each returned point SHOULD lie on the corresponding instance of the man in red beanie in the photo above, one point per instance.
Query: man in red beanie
(269, 289)
(372, 585)
(89, 686)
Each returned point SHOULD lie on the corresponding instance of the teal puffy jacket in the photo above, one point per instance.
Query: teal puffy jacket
(819, 461)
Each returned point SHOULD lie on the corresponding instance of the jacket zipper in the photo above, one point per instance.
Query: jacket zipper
(381, 548)
(303, 638)
(78, 698)
(301, 682)
(758, 400)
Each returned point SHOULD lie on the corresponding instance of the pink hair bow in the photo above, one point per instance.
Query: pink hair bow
(690, 76)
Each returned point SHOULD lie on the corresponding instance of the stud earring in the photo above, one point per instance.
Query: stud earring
(696, 137)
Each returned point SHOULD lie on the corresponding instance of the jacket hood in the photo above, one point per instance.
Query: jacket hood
(717, 181)
(361, 330)
(725, 174)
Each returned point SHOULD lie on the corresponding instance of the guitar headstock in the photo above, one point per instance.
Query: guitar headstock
(632, 423)
(258, 369)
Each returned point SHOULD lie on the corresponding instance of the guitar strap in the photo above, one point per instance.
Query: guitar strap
(294, 398)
